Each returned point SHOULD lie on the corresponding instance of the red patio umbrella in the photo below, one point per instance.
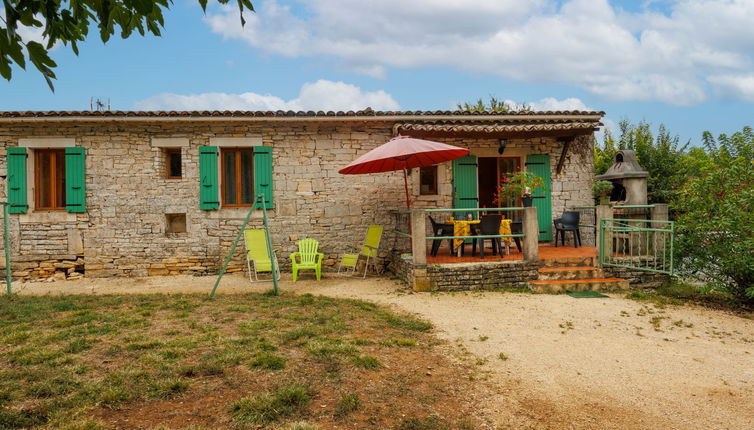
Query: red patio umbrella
(403, 153)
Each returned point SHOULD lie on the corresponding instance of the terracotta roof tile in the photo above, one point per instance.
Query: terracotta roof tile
(278, 114)
(497, 128)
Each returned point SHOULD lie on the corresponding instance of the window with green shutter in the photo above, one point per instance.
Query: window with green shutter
(17, 180)
(208, 176)
(75, 180)
(263, 175)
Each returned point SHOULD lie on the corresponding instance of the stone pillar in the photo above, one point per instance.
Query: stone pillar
(419, 250)
(531, 234)
(660, 212)
(603, 212)
(419, 236)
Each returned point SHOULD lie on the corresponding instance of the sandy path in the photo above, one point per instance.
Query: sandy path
(571, 363)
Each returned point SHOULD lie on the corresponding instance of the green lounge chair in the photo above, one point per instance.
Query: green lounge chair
(368, 252)
(308, 258)
(257, 255)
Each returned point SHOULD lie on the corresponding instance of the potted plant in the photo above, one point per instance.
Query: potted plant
(602, 190)
(520, 184)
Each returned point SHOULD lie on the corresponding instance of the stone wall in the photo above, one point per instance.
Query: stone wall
(466, 276)
(123, 232)
(637, 278)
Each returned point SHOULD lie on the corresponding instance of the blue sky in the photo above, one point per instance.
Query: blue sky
(688, 64)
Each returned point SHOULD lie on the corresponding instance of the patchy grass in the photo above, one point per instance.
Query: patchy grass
(681, 293)
(265, 408)
(347, 404)
(245, 361)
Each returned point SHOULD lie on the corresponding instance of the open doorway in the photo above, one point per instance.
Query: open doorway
(490, 170)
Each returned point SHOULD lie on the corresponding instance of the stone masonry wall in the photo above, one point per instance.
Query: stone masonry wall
(637, 278)
(123, 232)
(468, 276)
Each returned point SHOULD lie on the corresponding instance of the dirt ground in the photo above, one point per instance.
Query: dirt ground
(552, 361)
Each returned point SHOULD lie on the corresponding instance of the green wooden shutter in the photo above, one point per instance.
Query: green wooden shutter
(540, 166)
(17, 180)
(465, 193)
(75, 180)
(208, 189)
(263, 175)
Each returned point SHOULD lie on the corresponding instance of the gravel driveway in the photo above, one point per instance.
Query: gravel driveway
(552, 361)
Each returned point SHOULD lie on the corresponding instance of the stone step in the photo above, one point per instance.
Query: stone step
(561, 286)
(570, 262)
(568, 273)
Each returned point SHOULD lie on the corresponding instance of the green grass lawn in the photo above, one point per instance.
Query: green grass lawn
(238, 361)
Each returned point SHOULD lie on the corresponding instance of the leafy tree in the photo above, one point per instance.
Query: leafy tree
(494, 105)
(68, 22)
(715, 227)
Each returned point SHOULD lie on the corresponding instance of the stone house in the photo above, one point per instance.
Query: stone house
(123, 193)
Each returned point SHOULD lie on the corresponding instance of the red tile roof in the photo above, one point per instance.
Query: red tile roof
(286, 114)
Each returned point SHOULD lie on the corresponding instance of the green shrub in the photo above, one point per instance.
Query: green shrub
(715, 228)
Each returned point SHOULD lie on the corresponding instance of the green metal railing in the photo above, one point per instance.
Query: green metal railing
(637, 244)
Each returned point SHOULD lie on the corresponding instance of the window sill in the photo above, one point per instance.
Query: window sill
(237, 213)
(47, 217)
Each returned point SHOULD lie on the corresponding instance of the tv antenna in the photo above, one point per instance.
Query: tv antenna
(98, 104)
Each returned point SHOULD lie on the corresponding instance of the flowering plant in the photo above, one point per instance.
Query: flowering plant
(520, 184)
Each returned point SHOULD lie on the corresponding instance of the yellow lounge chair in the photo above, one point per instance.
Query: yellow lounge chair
(368, 252)
(257, 254)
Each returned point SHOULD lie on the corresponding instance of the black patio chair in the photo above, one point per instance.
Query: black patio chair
(488, 225)
(517, 227)
(440, 229)
(568, 222)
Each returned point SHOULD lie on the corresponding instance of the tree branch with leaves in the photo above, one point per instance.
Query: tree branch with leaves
(68, 22)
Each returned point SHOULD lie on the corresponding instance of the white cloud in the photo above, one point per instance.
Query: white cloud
(738, 86)
(550, 103)
(320, 95)
(29, 34)
(648, 55)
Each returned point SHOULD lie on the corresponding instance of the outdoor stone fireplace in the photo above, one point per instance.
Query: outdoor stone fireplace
(628, 178)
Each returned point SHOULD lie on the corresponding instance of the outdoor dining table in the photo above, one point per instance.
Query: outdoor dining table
(463, 228)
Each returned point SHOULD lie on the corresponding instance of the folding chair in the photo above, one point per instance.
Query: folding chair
(257, 255)
(368, 252)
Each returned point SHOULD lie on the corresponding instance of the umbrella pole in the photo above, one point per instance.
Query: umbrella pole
(408, 206)
(405, 184)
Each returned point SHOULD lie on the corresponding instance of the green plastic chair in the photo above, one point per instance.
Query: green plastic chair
(368, 252)
(257, 257)
(308, 258)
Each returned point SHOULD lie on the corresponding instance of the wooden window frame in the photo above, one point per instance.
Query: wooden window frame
(54, 154)
(168, 153)
(238, 151)
(435, 190)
